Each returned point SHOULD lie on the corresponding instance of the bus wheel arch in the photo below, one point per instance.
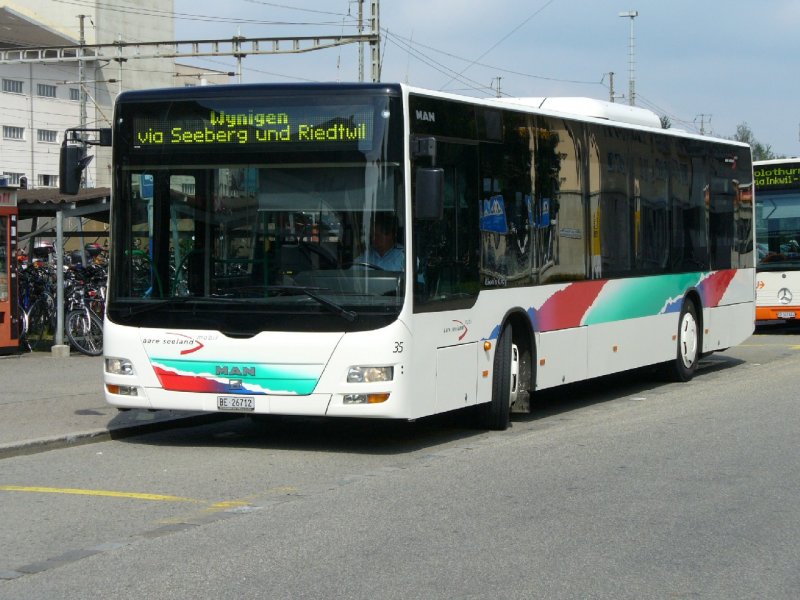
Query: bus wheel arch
(523, 340)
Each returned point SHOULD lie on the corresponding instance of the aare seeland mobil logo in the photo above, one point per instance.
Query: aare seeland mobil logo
(458, 327)
(187, 343)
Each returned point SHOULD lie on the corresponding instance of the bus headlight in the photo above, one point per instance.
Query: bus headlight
(369, 374)
(119, 366)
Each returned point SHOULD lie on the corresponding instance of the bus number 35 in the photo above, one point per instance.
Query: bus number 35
(398, 348)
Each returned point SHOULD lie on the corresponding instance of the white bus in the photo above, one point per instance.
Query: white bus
(537, 248)
(777, 186)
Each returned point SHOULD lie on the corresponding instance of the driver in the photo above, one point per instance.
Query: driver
(383, 250)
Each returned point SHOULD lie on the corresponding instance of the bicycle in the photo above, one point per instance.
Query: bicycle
(82, 325)
(37, 306)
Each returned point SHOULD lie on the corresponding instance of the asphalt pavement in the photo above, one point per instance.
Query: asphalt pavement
(49, 402)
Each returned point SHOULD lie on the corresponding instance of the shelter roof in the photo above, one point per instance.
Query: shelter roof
(46, 202)
(19, 30)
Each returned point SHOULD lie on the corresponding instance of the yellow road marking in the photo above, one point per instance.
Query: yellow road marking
(106, 493)
(228, 504)
(247, 501)
(217, 507)
(210, 507)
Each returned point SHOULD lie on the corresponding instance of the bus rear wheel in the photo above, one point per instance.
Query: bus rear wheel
(684, 366)
(496, 414)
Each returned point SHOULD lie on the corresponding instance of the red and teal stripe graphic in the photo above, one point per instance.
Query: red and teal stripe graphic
(251, 378)
(606, 301)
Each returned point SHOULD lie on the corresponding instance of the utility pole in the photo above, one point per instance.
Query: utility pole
(375, 41)
(82, 91)
(361, 44)
(81, 94)
(631, 14)
(612, 94)
(702, 117)
(237, 46)
(497, 93)
(611, 97)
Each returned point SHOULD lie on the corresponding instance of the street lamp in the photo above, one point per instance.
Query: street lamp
(631, 14)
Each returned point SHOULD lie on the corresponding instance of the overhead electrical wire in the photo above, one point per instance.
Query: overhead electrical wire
(501, 40)
(154, 12)
(444, 70)
(410, 42)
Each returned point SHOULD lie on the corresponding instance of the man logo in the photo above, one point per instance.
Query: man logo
(235, 371)
(423, 115)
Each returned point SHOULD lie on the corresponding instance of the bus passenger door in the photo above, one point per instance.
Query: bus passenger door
(446, 256)
(446, 250)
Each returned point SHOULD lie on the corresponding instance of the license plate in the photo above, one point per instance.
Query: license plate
(786, 315)
(242, 403)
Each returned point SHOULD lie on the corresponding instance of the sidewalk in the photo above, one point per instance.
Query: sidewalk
(48, 402)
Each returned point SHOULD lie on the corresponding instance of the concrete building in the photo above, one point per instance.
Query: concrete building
(39, 101)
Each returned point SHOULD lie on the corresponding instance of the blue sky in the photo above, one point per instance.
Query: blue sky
(711, 62)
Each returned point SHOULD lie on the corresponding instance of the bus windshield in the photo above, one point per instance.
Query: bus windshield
(218, 228)
(778, 230)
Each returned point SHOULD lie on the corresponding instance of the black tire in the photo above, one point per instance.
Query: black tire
(496, 414)
(684, 366)
(85, 332)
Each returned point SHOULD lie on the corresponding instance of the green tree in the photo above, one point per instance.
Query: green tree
(760, 151)
(666, 122)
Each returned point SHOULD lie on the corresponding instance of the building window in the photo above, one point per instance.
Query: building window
(74, 94)
(46, 90)
(13, 133)
(48, 180)
(13, 178)
(47, 135)
(13, 86)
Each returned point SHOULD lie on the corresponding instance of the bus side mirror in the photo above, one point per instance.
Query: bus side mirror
(72, 162)
(429, 194)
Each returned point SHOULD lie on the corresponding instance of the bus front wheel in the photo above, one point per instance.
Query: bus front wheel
(496, 414)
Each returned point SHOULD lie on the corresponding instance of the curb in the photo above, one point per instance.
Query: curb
(68, 440)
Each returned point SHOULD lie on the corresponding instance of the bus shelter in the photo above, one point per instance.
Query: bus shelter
(47, 216)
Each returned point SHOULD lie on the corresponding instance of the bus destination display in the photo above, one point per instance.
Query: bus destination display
(777, 176)
(323, 127)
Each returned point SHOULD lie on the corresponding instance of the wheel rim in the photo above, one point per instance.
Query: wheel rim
(688, 341)
(513, 375)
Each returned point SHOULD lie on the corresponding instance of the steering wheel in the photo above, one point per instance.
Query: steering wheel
(368, 265)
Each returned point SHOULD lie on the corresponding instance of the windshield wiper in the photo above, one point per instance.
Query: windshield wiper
(152, 305)
(336, 309)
